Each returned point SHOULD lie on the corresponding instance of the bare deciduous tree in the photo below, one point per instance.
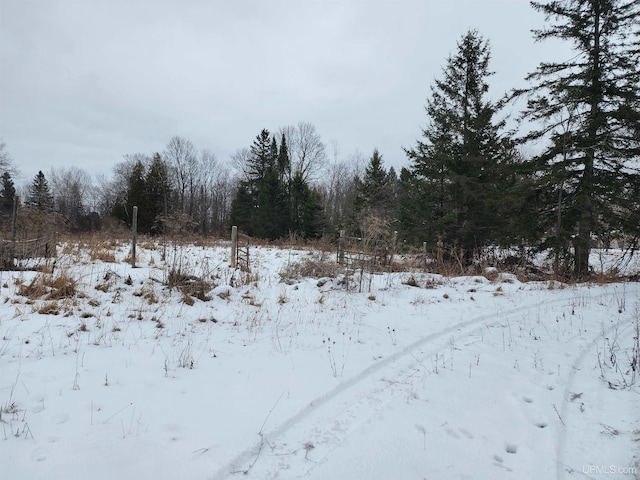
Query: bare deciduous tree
(307, 152)
(70, 188)
(6, 162)
(104, 194)
(339, 186)
(240, 161)
(180, 155)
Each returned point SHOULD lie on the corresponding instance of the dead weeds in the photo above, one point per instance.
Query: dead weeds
(49, 287)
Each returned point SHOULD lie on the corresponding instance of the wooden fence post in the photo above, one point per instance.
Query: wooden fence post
(341, 248)
(424, 252)
(134, 235)
(234, 246)
(394, 246)
(14, 232)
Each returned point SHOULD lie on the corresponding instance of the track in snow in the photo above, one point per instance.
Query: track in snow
(331, 417)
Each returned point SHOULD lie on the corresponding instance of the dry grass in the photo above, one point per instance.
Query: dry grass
(102, 254)
(49, 308)
(318, 266)
(189, 285)
(411, 281)
(50, 287)
(108, 280)
(610, 276)
(148, 293)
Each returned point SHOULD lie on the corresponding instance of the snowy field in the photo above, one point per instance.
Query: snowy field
(107, 373)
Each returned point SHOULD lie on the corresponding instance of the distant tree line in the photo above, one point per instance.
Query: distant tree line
(468, 184)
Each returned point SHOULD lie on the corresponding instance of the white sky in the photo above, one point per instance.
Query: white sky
(84, 82)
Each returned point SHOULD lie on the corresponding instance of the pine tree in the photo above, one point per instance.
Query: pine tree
(157, 193)
(284, 163)
(270, 217)
(457, 163)
(242, 206)
(375, 190)
(298, 192)
(39, 195)
(261, 206)
(313, 218)
(589, 107)
(413, 221)
(7, 194)
(136, 197)
(261, 158)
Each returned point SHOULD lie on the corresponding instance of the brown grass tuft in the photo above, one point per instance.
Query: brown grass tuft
(49, 308)
(411, 281)
(103, 255)
(51, 288)
(317, 266)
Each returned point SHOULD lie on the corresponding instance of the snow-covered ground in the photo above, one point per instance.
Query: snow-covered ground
(416, 376)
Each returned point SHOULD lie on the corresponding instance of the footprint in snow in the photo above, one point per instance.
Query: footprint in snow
(452, 433)
(38, 455)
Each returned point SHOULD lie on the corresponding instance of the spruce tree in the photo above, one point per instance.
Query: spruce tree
(375, 191)
(157, 193)
(457, 162)
(39, 195)
(284, 163)
(413, 221)
(262, 157)
(298, 192)
(242, 206)
(136, 196)
(589, 110)
(270, 217)
(7, 194)
(313, 218)
(261, 206)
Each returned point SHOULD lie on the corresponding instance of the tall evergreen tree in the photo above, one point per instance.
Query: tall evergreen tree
(413, 221)
(135, 196)
(39, 195)
(314, 221)
(272, 202)
(375, 191)
(589, 107)
(7, 194)
(157, 193)
(457, 163)
(242, 207)
(261, 205)
(271, 217)
(284, 163)
(261, 158)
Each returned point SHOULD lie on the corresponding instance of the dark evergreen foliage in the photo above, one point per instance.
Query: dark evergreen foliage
(39, 195)
(7, 194)
(589, 108)
(157, 194)
(458, 165)
(241, 207)
(375, 192)
(271, 204)
(284, 162)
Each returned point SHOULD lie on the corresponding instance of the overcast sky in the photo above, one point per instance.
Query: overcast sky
(84, 82)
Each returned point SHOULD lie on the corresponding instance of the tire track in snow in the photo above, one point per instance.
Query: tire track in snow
(245, 461)
(577, 366)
